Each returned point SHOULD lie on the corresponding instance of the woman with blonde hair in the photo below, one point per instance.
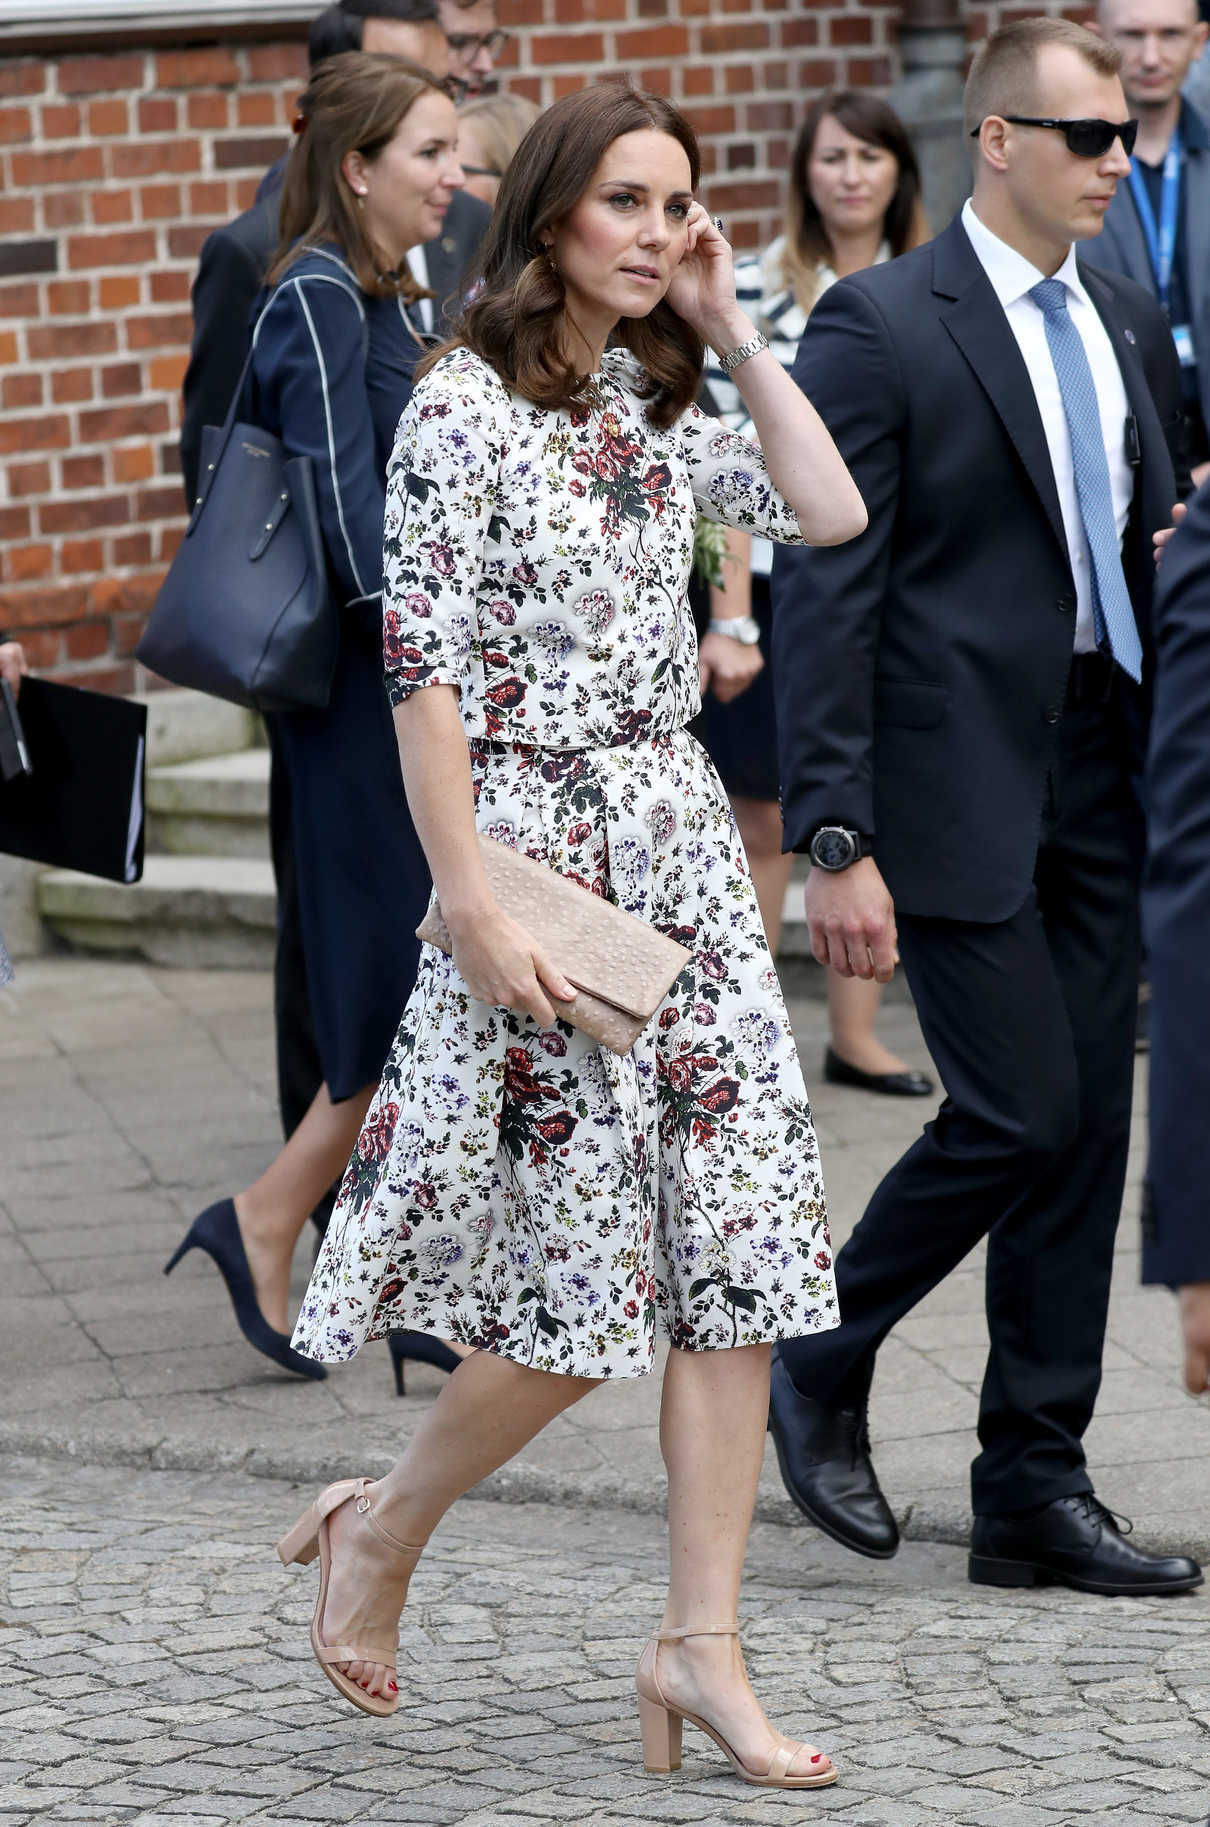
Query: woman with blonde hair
(559, 1207)
(853, 199)
(490, 129)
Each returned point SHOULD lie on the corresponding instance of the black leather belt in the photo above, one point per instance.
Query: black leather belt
(1091, 680)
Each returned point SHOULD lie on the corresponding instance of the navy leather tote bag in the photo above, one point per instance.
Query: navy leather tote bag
(245, 611)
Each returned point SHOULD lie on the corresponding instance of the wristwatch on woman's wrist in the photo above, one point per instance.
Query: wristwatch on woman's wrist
(743, 628)
(743, 352)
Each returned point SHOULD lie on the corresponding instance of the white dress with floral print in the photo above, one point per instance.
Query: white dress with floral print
(518, 1188)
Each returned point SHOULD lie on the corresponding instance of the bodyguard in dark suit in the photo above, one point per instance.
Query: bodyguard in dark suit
(231, 272)
(1176, 916)
(961, 701)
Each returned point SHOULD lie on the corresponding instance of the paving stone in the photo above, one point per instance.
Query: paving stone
(502, 1734)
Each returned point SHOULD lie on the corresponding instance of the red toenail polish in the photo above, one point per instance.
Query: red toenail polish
(818, 1758)
(393, 1688)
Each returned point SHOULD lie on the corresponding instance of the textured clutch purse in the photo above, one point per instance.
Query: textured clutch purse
(621, 967)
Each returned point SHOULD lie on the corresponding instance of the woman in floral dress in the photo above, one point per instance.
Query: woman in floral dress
(515, 1187)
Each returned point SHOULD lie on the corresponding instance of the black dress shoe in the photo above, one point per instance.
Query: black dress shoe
(838, 1071)
(824, 1456)
(1074, 1541)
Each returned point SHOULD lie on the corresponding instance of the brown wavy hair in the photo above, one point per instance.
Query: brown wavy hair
(353, 103)
(513, 317)
(867, 118)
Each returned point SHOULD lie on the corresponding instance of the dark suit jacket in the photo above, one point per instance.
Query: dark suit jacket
(1121, 246)
(1176, 912)
(920, 670)
(232, 271)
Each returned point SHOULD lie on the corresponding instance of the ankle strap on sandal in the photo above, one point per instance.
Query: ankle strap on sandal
(694, 1630)
(364, 1508)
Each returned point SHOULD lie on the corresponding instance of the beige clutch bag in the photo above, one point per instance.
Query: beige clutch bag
(621, 967)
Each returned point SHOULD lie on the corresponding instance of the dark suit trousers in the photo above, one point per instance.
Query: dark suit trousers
(1031, 1025)
(299, 1073)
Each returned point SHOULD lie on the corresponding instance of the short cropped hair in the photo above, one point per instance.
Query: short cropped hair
(341, 27)
(1004, 75)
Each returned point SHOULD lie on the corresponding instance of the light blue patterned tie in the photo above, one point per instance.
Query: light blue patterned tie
(1113, 617)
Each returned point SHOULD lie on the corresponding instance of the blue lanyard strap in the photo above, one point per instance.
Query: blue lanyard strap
(1161, 241)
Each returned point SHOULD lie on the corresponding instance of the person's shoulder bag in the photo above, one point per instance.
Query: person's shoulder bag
(245, 612)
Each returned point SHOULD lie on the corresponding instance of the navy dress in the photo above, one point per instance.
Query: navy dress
(332, 372)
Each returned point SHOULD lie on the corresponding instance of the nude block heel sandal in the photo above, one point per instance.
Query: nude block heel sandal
(661, 1724)
(301, 1544)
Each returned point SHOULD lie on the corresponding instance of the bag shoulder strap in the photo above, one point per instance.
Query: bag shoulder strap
(229, 423)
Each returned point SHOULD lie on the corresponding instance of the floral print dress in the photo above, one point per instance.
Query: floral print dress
(521, 1189)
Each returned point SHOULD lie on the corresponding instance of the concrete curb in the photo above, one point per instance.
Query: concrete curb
(518, 1483)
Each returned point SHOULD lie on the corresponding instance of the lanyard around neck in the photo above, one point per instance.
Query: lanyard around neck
(1161, 240)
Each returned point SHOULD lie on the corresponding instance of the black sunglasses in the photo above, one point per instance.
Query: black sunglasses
(1087, 139)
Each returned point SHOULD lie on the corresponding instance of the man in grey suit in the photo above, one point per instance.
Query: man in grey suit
(1157, 229)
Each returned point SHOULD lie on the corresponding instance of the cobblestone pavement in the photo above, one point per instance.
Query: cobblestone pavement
(130, 1097)
(156, 1673)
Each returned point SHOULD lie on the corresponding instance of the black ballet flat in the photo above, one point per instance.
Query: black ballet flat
(421, 1348)
(216, 1231)
(838, 1071)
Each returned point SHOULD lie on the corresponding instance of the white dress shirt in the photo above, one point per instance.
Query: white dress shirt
(419, 268)
(1012, 276)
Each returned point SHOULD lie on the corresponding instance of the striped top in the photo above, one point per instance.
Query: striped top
(761, 291)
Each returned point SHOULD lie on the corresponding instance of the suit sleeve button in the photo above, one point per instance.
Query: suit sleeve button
(1065, 603)
(1052, 714)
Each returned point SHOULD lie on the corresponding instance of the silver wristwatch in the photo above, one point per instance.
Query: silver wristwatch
(743, 628)
(743, 353)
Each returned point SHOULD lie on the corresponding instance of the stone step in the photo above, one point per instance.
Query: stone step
(189, 912)
(185, 725)
(218, 806)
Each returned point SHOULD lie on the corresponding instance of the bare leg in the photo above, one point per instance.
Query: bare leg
(853, 1004)
(486, 1413)
(759, 822)
(712, 1435)
(274, 1209)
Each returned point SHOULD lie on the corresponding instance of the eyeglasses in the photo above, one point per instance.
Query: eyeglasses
(1089, 139)
(469, 44)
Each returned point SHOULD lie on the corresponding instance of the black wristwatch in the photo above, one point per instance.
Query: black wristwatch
(834, 847)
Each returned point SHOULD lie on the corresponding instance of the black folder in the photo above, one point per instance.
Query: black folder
(81, 804)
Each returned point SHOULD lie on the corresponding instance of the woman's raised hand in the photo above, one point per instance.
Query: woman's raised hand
(702, 289)
(501, 964)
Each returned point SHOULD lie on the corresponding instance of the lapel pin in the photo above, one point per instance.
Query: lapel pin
(1129, 335)
(449, 245)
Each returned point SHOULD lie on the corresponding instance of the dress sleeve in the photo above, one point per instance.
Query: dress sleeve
(310, 368)
(441, 489)
(731, 482)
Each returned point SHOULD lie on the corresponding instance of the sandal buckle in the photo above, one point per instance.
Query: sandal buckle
(362, 1505)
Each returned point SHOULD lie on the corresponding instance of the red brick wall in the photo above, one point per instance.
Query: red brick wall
(114, 167)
